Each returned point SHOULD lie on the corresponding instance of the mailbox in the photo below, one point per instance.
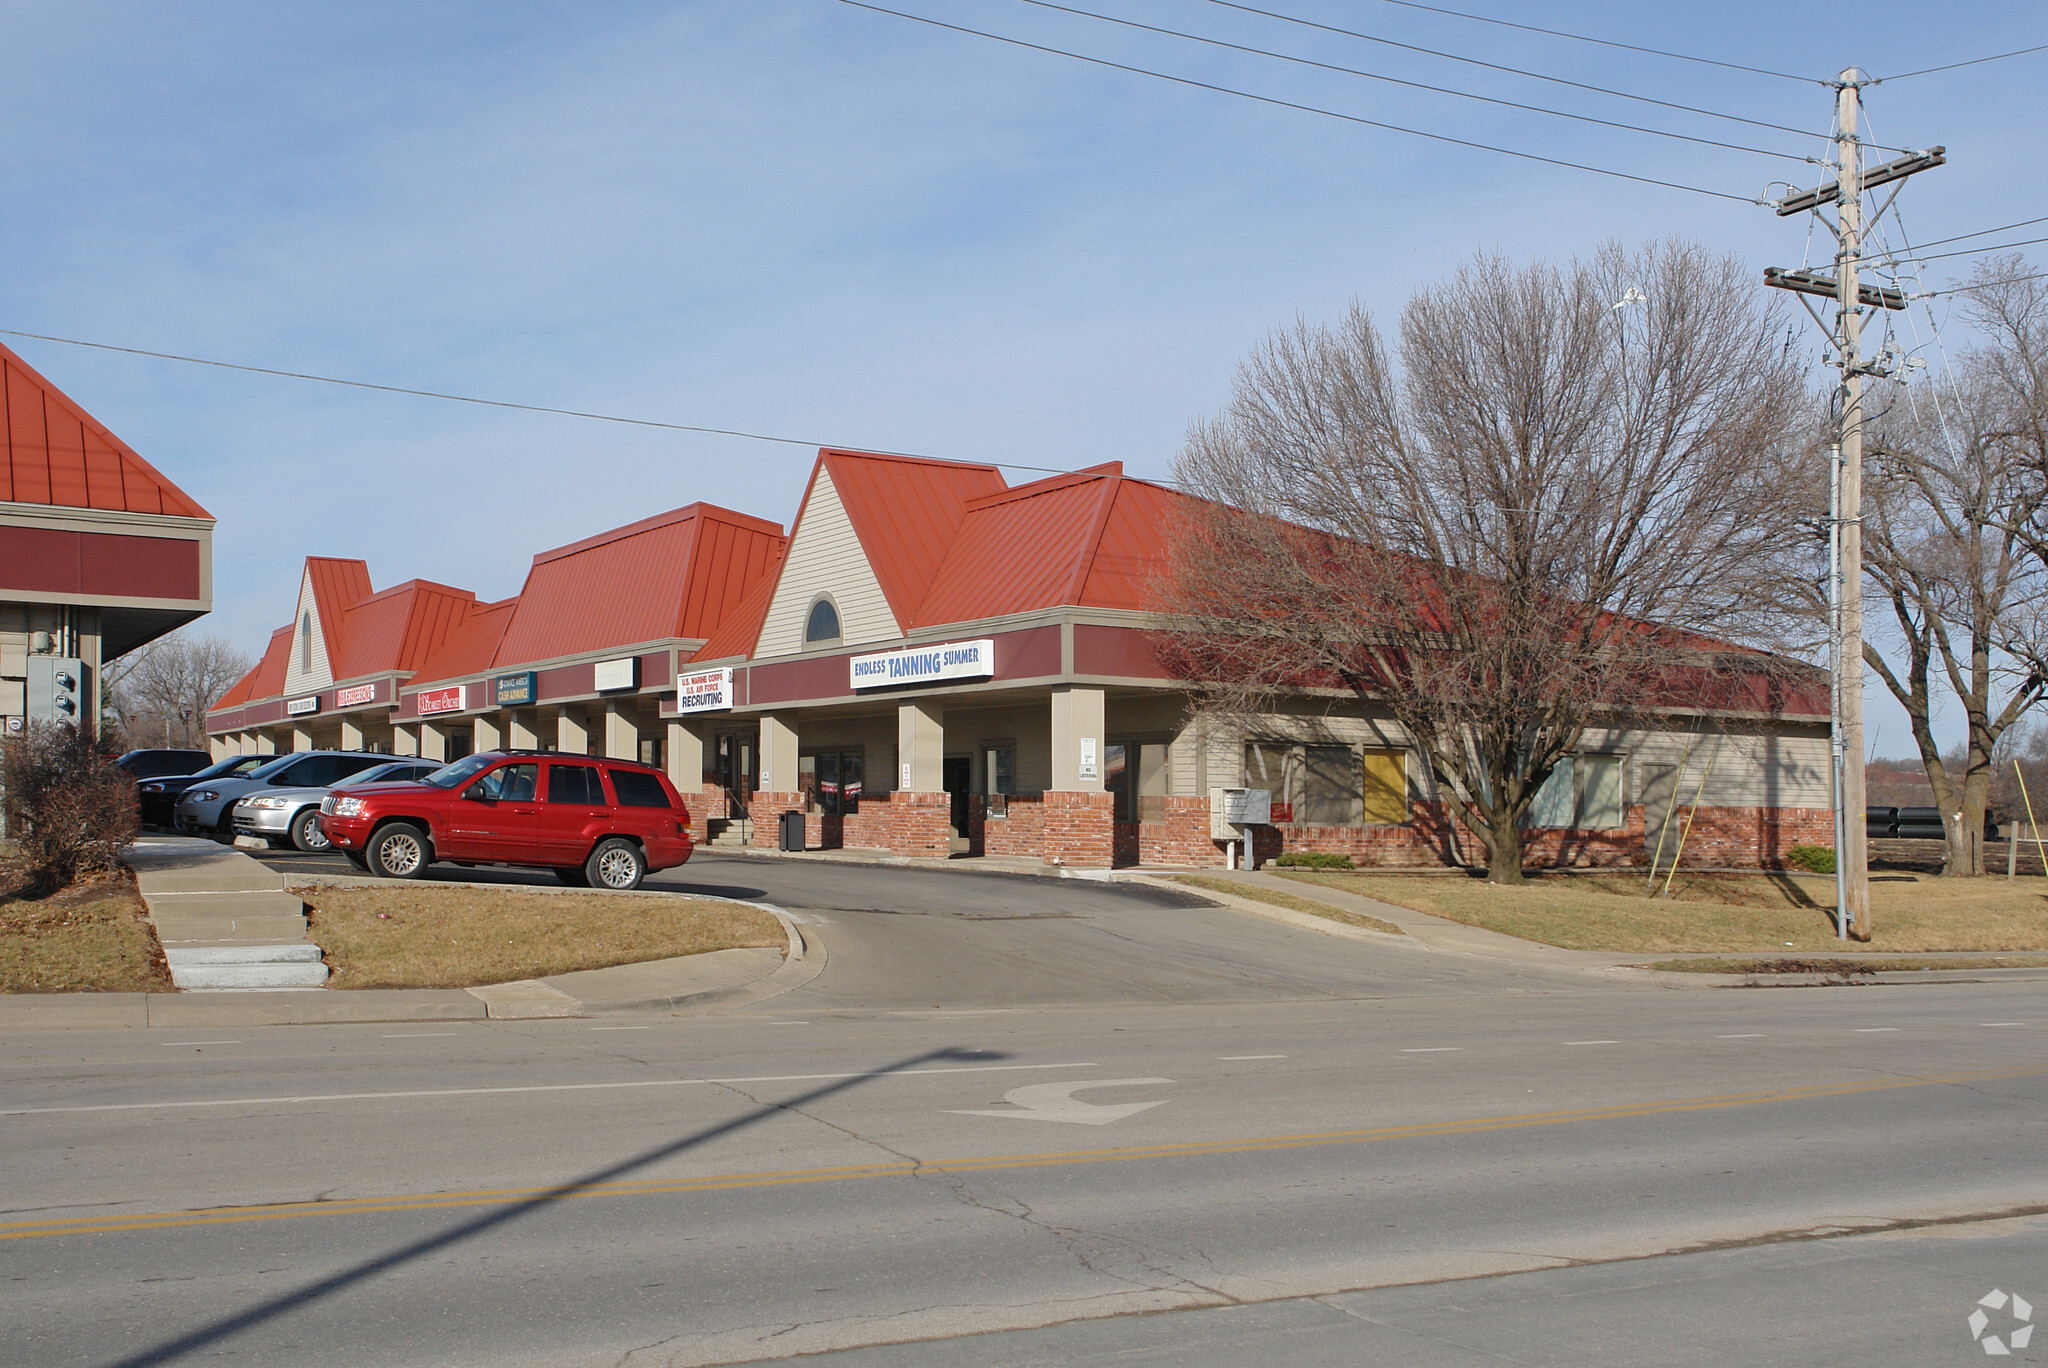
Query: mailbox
(1233, 809)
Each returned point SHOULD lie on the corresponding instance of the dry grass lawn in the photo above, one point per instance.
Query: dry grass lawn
(1724, 912)
(422, 936)
(1289, 901)
(93, 937)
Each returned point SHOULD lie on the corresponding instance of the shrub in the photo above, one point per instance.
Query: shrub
(1812, 859)
(68, 806)
(1313, 859)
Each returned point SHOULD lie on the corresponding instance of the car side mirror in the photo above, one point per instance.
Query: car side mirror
(475, 793)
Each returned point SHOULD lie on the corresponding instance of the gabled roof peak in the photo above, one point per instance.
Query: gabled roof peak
(708, 512)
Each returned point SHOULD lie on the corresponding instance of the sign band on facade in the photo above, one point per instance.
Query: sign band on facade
(623, 673)
(950, 660)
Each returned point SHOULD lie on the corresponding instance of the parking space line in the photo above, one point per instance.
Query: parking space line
(2001, 1023)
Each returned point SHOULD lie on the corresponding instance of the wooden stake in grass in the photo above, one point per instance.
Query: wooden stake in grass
(2030, 819)
(1692, 816)
(1664, 829)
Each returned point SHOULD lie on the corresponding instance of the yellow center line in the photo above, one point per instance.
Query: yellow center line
(1171, 1150)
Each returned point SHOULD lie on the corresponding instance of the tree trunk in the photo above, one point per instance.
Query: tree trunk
(1504, 851)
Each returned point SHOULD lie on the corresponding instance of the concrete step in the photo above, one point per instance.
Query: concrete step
(270, 930)
(269, 902)
(248, 968)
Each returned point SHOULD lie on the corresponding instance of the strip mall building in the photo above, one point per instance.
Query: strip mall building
(934, 663)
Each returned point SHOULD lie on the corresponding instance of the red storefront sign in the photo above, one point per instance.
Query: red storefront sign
(454, 698)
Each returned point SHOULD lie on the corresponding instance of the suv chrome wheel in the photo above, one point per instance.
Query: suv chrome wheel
(615, 864)
(399, 852)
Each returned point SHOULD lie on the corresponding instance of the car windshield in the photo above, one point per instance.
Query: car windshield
(402, 769)
(234, 764)
(459, 773)
(270, 769)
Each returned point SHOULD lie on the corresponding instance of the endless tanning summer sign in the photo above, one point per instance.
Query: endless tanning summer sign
(952, 660)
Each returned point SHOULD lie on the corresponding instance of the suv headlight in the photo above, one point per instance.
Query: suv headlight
(264, 803)
(347, 807)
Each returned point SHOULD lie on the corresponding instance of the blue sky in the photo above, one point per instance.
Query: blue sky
(800, 218)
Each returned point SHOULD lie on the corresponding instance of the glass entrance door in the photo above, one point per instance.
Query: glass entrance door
(738, 770)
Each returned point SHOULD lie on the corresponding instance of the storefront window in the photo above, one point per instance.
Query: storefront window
(1583, 793)
(1329, 785)
(832, 780)
(999, 769)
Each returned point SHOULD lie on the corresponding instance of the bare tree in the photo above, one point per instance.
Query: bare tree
(163, 690)
(1950, 492)
(1513, 534)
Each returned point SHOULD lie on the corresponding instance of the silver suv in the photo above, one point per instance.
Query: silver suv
(291, 816)
(208, 809)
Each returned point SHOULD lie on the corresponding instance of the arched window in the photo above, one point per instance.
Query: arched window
(821, 628)
(306, 640)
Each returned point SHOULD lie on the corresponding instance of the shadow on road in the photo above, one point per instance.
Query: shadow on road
(227, 1326)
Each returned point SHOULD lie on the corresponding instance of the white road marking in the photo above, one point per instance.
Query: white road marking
(1235, 1058)
(1981, 1023)
(1056, 1102)
(530, 1088)
(1592, 1042)
(1746, 1035)
(622, 1028)
(789, 1023)
(174, 1044)
(421, 1035)
(1874, 1030)
(1435, 1049)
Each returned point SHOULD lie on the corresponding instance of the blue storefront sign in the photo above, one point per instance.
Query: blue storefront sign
(514, 690)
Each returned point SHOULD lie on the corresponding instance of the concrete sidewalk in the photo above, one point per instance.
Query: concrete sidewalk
(226, 922)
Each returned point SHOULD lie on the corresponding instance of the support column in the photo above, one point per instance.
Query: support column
(778, 793)
(1079, 814)
(572, 737)
(622, 730)
(218, 748)
(405, 738)
(1077, 739)
(921, 811)
(433, 742)
(524, 731)
(686, 771)
(490, 732)
(351, 734)
(264, 744)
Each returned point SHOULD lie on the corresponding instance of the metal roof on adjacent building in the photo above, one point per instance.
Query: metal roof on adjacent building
(906, 510)
(54, 452)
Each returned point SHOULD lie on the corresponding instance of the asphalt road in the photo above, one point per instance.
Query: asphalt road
(1285, 1147)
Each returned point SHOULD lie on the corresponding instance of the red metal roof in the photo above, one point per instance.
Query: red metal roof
(399, 627)
(54, 452)
(471, 647)
(337, 584)
(906, 510)
(266, 680)
(1092, 538)
(677, 574)
(736, 637)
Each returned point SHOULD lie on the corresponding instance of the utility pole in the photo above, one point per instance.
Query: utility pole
(1851, 296)
(1853, 859)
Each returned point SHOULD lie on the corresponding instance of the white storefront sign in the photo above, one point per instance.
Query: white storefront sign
(704, 691)
(355, 695)
(923, 664)
(299, 707)
(623, 673)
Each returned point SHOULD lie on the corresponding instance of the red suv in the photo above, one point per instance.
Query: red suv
(595, 822)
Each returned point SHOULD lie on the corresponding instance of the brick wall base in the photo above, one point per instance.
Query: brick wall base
(766, 809)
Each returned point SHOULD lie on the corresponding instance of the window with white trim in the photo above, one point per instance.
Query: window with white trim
(821, 625)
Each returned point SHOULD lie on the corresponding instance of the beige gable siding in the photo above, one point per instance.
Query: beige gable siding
(1741, 770)
(825, 557)
(298, 682)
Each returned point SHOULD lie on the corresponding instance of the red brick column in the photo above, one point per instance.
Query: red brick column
(706, 806)
(1180, 836)
(1080, 829)
(766, 809)
(923, 824)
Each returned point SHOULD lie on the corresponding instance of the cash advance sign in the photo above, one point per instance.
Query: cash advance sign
(925, 664)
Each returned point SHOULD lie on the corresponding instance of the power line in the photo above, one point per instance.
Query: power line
(1965, 289)
(498, 403)
(1983, 232)
(1974, 61)
(1412, 85)
(1911, 255)
(1608, 42)
(1518, 71)
(1294, 105)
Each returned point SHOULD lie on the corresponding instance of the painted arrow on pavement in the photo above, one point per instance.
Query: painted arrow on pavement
(1056, 1102)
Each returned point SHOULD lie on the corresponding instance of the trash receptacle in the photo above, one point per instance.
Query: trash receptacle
(792, 832)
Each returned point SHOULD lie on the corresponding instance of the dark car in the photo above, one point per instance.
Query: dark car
(159, 797)
(160, 764)
(209, 808)
(595, 822)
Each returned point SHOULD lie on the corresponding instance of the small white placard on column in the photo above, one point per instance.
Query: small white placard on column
(906, 776)
(1089, 769)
